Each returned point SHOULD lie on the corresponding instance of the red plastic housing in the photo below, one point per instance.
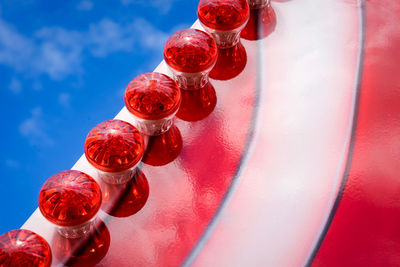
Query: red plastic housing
(190, 51)
(223, 15)
(114, 146)
(152, 96)
(70, 198)
(24, 248)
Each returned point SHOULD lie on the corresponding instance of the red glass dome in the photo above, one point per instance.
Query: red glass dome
(152, 96)
(190, 51)
(24, 248)
(223, 15)
(70, 198)
(114, 146)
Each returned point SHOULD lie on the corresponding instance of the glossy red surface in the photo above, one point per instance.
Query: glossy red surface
(196, 165)
(262, 22)
(24, 248)
(152, 96)
(188, 194)
(223, 15)
(230, 63)
(190, 51)
(365, 228)
(86, 251)
(69, 198)
(197, 104)
(114, 146)
(126, 199)
(163, 149)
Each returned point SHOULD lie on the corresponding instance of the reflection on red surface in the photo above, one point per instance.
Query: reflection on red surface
(86, 251)
(163, 149)
(197, 104)
(124, 200)
(365, 230)
(186, 194)
(262, 22)
(230, 63)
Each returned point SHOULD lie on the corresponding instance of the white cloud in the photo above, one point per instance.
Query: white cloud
(52, 51)
(85, 5)
(163, 6)
(58, 52)
(13, 164)
(33, 128)
(149, 37)
(107, 36)
(14, 47)
(15, 85)
(64, 99)
(37, 85)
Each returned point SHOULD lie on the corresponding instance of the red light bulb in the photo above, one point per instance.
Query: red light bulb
(114, 148)
(262, 20)
(190, 54)
(153, 99)
(24, 248)
(70, 200)
(224, 19)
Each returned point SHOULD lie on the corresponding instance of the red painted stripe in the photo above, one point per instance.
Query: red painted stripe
(366, 228)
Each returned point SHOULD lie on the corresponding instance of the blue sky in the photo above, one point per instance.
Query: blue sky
(64, 66)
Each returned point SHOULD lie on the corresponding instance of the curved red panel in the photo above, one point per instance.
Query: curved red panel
(365, 230)
(296, 123)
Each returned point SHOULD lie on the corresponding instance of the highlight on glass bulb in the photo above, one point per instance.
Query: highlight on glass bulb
(24, 248)
(153, 99)
(190, 54)
(70, 200)
(114, 148)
